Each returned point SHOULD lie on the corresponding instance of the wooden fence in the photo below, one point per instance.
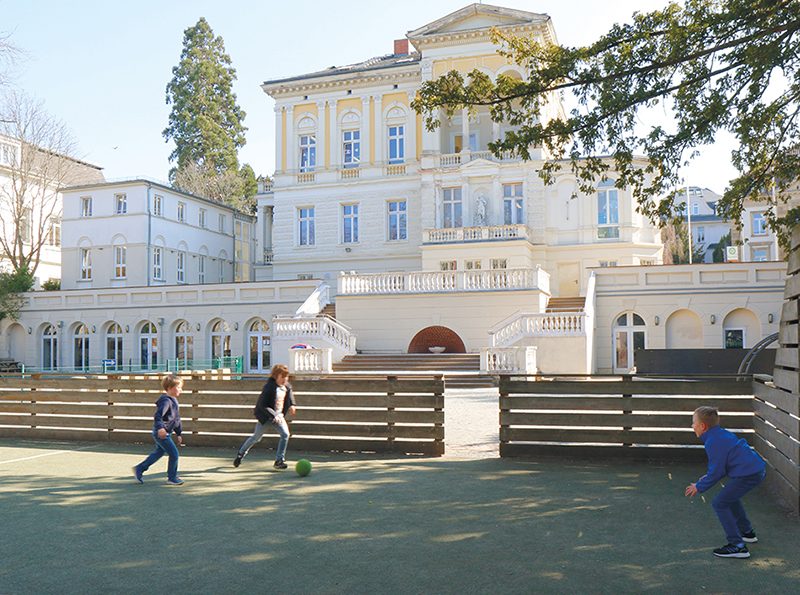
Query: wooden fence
(377, 414)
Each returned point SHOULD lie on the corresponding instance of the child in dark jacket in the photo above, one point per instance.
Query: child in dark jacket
(166, 420)
(732, 457)
(274, 403)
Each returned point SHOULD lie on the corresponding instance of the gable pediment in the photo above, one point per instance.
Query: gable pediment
(478, 17)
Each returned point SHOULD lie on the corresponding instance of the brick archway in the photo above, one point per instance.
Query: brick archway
(436, 336)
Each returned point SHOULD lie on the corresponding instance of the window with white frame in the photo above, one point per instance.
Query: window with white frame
(759, 224)
(607, 210)
(451, 207)
(351, 148)
(8, 155)
(181, 212)
(349, 224)
(695, 208)
(397, 150)
(80, 347)
(181, 267)
(158, 262)
(608, 263)
(184, 344)
(448, 265)
(512, 204)
(86, 206)
(221, 271)
(202, 218)
(49, 348)
(458, 143)
(114, 346)
(120, 262)
(86, 264)
(222, 223)
(761, 254)
(646, 261)
(472, 265)
(308, 152)
(201, 269)
(498, 263)
(120, 204)
(701, 234)
(158, 209)
(306, 234)
(397, 221)
(54, 231)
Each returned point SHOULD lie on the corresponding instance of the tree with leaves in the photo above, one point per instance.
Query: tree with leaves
(205, 122)
(714, 65)
(718, 255)
(12, 285)
(675, 237)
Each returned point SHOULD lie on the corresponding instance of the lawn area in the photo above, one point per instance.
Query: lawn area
(75, 521)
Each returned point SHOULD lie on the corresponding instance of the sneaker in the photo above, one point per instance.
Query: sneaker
(280, 464)
(237, 461)
(732, 551)
(137, 473)
(749, 537)
(175, 482)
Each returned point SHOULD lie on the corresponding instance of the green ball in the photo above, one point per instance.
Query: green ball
(303, 467)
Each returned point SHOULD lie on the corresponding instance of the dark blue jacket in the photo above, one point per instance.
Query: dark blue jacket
(167, 415)
(727, 456)
(265, 406)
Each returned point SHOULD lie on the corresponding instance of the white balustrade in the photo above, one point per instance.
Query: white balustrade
(309, 328)
(563, 324)
(508, 360)
(475, 234)
(439, 281)
(310, 361)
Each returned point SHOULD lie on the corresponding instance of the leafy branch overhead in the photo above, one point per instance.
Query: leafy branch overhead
(712, 65)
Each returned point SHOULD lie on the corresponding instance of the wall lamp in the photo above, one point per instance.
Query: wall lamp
(713, 319)
(94, 329)
(655, 320)
(236, 325)
(127, 328)
(30, 330)
(197, 326)
(348, 250)
(770, 318)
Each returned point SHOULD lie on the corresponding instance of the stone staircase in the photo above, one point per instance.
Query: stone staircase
(329, 311)
(460, 370)
(565, 304)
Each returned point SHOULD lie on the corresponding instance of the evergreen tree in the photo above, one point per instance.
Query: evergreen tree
(719, 250)
(205, 122)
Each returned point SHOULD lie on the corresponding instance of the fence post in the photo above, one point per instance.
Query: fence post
(627, 409)
(390, 413)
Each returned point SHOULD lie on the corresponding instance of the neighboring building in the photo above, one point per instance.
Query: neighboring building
(706, 227)
(29, 181)
(142, 233)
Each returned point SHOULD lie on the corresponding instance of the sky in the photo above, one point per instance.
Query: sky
(102, 67)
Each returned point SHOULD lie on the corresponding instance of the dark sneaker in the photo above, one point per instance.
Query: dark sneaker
(280, 464)
(175, 482)
(237, 461)
(749, 537)
(137, 474)
(732, 551)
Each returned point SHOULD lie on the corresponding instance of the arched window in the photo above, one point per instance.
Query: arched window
(148, 347)
(80, 342)
(259, 340)
(220, 340)
(307, 135)
(114, 347)
(629, 336)
(184, 346)
(49, 348)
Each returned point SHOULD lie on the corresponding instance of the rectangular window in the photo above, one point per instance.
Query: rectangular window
(158, 259)
(86, 264)
(451, 204)
(351, 148)
(201, 269)
(222, 223)
(308, 152)
(202, 218)
(646, 262)
(181, 212)
(350, 224)
(181, 267)
(607, 210)
(609, 263)
(157, 206)
(760, 254)
(458, 143)
(701, 234)
(120, 262)
(499, 263)
(448, 265)
(734, 338)
(86, 206)
(221, 272)
(54, 232)
(397, 221)
(397, 152)
(9, 155)
(120, 204)
(472, 265)
(759, 225)
(306, 231)
(512, 204)
(695, 208)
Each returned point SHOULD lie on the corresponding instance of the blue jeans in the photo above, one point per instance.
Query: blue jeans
(283, 430)
(729, 509)
(164, 446)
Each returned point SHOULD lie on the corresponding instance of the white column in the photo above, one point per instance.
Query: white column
(495, 131)
(268, 218)
(411, 130)
(464, 130)
(334, 141)
(320, 135)
(365, 138)
(466, 205)
(291, 141)
(380, 134)
(496, 209)
(279, 139)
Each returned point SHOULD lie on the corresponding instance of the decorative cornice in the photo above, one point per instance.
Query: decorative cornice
(483, 34)
(338, 82)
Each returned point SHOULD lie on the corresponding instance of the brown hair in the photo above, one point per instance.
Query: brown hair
(171, 380)
(279, 370)
(707, 415)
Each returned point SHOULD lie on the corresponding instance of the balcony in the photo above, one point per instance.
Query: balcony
(457, 159)
(486, 233)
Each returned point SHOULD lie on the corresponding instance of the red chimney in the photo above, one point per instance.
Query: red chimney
(400, 47)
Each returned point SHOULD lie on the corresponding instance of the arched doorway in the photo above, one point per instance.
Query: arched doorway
(436, 336)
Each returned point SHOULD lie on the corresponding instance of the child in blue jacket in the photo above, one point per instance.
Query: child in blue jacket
(732, 457)
(166, 420)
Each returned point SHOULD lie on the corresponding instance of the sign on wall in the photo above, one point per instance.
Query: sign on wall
(731, 253)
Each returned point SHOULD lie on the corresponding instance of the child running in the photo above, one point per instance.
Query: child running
(732, 457)
(166, 420)
(274, 403)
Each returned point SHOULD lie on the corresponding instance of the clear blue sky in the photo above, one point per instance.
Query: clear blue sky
(102, 66)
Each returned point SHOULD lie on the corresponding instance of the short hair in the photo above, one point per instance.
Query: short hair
(707, 415)
(279, 370)
(171, 380)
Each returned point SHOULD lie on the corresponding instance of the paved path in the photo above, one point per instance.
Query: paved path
(471, 423)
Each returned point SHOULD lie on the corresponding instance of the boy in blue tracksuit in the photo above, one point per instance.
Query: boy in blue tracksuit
(732, 457)
(166, 420)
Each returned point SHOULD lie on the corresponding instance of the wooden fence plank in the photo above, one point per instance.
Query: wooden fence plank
(777, 397)
(787, 380)
(625, 387)
(790, 448)
(572, 435)
(607, 451)
(780, 419)
(780, 463)
(635, 403)
(635, 420)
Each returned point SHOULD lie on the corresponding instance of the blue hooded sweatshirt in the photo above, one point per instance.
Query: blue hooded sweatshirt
(727, 456)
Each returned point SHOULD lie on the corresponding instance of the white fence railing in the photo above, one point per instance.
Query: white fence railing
(508, 360)
(476, 234)
(310, 328)
(309, 361)
(440, 281)
(551, 324)
(319, 298)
